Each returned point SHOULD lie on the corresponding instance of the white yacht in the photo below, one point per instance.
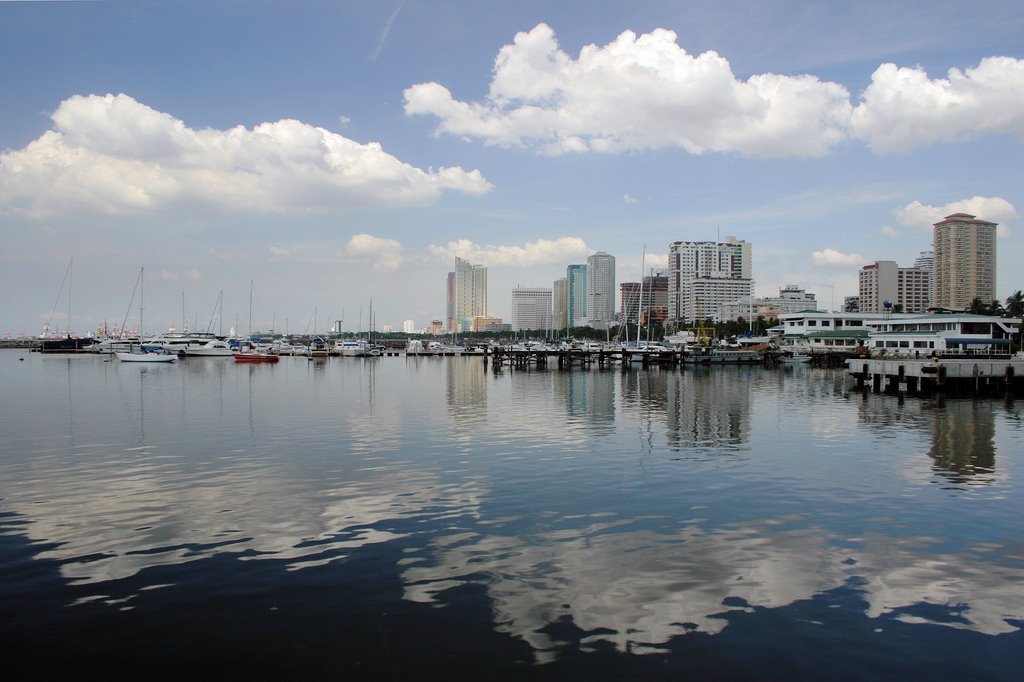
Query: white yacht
(215, 348)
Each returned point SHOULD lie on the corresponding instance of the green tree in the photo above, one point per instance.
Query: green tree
(977, 307)
(1015, 304)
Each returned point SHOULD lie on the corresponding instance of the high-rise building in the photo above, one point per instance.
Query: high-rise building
(965, 261)
(531, 309)
(655, 299)
(707, 296)
(558, 303)
(576, 295)
(709, 262)
(926, 261)
(601, 289)
(408, 327)
(450, 307)
(884, 282)
(470, 293)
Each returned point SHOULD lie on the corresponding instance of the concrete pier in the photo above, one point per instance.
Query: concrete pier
(981, 375)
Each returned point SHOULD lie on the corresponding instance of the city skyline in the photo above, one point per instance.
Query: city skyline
(334, 153)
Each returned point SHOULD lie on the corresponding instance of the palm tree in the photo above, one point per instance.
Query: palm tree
(1015, 304)
(1015, 308)
(977, 307)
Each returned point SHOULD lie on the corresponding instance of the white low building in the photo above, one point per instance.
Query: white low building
(948, 334)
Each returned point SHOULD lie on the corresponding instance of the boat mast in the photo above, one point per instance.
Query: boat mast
(640, 301)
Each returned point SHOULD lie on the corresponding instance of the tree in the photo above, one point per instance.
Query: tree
(978, 307)
(1015, 304)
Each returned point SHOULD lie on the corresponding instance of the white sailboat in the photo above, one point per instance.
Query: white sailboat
(141, 356)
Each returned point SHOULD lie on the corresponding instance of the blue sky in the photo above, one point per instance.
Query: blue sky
(337, 152)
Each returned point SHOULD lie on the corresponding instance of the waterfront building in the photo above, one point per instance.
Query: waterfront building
(692, 260)
(851, 304)
(437, 327)
(576, 295)
(531, 309)
(923, 335)
(558, 303)
(965, 261)
(883, 281)
(926, 261)
(470, 293)
(409, 327)
(601, 289)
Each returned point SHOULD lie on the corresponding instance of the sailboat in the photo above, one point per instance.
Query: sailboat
(140, 283)
(252, 355)
(67, 344)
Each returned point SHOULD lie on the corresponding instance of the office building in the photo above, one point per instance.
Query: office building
(531, 309)
(965, 261)
(601, 289)
(576, 295)
(558, 303)
(470, 294)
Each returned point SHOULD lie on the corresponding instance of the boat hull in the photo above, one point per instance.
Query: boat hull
(256, 357)
(151, 358)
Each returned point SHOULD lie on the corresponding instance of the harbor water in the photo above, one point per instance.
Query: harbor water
(429, 517)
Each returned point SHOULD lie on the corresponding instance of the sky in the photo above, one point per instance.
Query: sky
(330, 156)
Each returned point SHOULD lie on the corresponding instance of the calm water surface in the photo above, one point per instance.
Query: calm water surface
(398, 518)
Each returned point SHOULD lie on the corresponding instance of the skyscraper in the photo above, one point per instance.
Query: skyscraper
(965, 261)
(470, 293)
(714, 264)
(884, 281)
(531, 309)
(576, 295)
(449, 314)
(558, 303)
(601, 289)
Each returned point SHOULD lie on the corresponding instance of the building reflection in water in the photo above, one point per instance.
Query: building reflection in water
(707, 408)
(963, 442)
(961, 433)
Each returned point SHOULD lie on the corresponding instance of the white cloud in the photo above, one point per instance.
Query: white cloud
(540, 252)
(112, 154)
(831, 257)
(903, 108)
(890, 232)
(193, 275)
(630, 199)
(993, 209)
(386, 254)
(278, 251)
(638, 92)
(646, 92)
(168, 275)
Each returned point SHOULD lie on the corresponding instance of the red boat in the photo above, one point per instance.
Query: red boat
(255, 357)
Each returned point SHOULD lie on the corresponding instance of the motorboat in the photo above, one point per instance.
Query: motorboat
(146, 357)
(216, 348)
(794, 358)
(255, 356)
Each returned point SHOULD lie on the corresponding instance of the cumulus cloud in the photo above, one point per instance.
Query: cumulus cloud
(647, 92)
(890, 232)
(638, 92)
(540, 252)
(113, 154)
(992, 209)
(831, 257)
(386, 254)
(903, 108)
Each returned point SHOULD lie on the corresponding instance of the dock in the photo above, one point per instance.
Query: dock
(953, 375)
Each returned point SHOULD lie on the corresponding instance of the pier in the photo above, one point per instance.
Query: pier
(959, 375)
